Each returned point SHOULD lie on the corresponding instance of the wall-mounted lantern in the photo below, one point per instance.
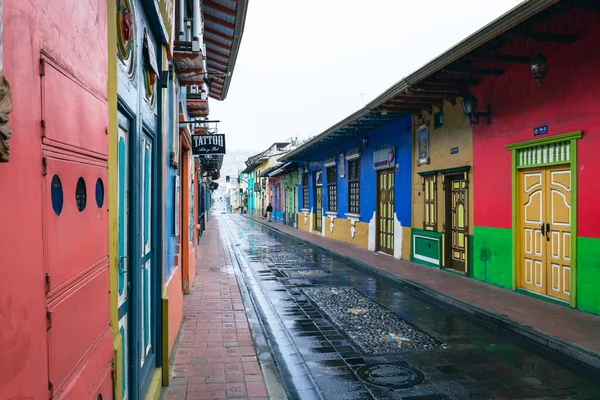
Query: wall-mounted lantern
(366, 141)
(469, 104)
(539, 67)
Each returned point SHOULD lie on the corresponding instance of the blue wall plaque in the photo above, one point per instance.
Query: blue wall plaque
(540, 130)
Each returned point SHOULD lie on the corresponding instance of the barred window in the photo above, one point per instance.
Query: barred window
(354, 186)
(305, 190)
(430, 200)
(332, 188)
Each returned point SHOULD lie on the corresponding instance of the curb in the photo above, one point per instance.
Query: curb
(284, 381)
(574, 351)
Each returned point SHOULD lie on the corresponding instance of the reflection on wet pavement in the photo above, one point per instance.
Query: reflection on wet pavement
(363, 337)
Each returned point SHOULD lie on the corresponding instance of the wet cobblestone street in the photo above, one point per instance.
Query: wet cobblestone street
(339, 332)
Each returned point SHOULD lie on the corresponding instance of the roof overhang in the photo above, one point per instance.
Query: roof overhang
(267, 171)
(452, 73)
(353, 127)
(284, 169)
(444, 78)
(224, 22)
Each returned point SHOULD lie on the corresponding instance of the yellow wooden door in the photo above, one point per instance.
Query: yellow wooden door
(533, 255)
(545, 231)
(385, 211)
(558, 232)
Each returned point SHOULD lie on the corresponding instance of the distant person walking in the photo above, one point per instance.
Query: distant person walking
(269, 212)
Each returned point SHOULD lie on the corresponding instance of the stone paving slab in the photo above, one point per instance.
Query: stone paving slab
(214, 356)
(372, 327)
(563, 329)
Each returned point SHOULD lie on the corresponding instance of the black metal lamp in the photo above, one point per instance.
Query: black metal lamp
(539, 67)
(366, 141)
(469, 104)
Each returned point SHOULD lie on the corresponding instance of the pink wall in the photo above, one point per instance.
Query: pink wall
(74, 34)
(175, 295)
(568, 100)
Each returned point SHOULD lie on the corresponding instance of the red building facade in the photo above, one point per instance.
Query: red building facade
(535, 193)
(54, 318)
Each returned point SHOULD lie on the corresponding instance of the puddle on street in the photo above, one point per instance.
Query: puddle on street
(363, 337)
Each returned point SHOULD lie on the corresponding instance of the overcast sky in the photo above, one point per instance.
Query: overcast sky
(305, 65)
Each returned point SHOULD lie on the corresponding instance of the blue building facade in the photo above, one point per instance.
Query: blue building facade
(380, 158)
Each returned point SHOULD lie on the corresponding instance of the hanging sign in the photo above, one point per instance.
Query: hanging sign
(213, 144)
(384, 158)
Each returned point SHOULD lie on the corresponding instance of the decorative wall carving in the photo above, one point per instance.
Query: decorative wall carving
(126, 36)
(5, 109)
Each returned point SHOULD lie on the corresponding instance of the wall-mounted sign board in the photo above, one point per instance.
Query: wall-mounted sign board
(540, 130)
(213, 144)
(384, 158)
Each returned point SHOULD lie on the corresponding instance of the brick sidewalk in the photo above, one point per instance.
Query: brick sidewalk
(214, 356)
(561, 322)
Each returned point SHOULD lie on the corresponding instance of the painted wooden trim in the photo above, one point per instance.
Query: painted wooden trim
(545, 140)
(574, 238)
(165, 337)
(572, 138)
(445, 171)
(112, 200)
(515, 244)
(542, 297)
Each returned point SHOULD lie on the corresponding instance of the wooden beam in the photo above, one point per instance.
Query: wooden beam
(434, 87)
(472, 70)
(590, 5)
(414, 102)
(218, 21)
(214, 43)
(407, 109)
(214, 32)
(219, 8)
(458, 81)
(504, 58)
(431, 95)
(216, 62)
(543, 36)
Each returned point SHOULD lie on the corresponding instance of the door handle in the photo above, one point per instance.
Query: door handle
(543, 230)
(548, 232)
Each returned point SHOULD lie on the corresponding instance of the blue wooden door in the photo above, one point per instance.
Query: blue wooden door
(147, 302)
(124, 191)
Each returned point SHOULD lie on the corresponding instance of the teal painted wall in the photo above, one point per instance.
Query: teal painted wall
(588, 275)
(492, 256)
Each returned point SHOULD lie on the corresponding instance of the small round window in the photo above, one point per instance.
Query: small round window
(80, 194)
(56, 192)
(99, 193)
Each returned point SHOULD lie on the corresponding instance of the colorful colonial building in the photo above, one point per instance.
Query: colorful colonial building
(55, 336)
(500, 162)
(171, 59)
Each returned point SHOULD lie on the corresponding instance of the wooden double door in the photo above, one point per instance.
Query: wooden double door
(385, 210)
(544, 230)
(318, 201)
(456, 221)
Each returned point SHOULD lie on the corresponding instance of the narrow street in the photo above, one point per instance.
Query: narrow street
(335, 331)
